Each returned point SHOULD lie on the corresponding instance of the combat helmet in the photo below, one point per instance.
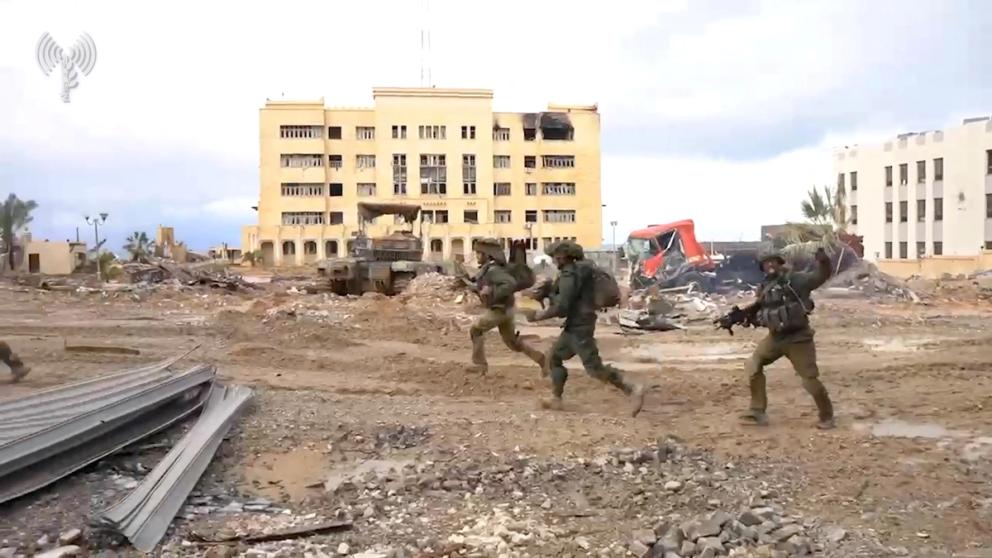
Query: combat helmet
(766, 254)
(491, 247)
(567, 248)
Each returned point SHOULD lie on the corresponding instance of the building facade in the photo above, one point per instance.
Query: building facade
(47, 258)
(921, 196)
(474, 172)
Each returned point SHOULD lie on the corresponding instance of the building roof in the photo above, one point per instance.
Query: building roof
(432, 92)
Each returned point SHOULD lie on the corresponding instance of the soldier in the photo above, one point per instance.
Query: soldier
(783, 305)
(496, 288)
(8, 357)
(572, 299)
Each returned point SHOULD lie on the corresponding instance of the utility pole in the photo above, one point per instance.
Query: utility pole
(96, 222)
(616, 259)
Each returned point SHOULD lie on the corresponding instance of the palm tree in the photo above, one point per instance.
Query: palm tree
(14, 215)
(826, 219)
(139, 246)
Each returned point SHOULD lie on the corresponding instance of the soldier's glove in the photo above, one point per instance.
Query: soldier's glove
(736, 316)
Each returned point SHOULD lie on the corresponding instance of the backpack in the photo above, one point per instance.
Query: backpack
(518, 268)
(605, 290)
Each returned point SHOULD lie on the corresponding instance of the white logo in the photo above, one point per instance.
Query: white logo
(81, 57)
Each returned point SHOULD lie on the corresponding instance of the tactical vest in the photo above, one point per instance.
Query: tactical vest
(783, 310)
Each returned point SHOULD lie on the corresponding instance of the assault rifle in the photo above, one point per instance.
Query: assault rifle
(744, 317)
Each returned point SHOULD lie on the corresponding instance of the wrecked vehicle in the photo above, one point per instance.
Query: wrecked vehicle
(381, 264)
(669, 256)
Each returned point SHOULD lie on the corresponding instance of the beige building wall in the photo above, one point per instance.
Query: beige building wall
(564, 179)
(938, 204)
(52, 258)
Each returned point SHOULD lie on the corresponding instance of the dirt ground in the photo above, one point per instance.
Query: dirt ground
(340, 382)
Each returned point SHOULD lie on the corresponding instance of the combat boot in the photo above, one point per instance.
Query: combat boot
(19, 371)
(553, 403)
(754, 418)
(826, 424)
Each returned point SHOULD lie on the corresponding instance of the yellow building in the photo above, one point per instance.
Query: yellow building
(475, 173)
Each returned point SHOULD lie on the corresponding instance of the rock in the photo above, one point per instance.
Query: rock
(695, 530)
(7, 552)
(645, 537)
(43, 541)
(220, 551)
(836, 535)
(671, 555)
(688, 548)
(661, 528)
(256, 507)
(786, 532)
(233, 507)
(673, 486)
(61, 552)
(639, 549)
(708, 553)
(70, 537)
(799, 545)
(749, 534)
(711, 543)
(672, 541)
(721, 518)
(582, 542)
(763, 512)
(343, 549)
(369, 512)
(750, 518)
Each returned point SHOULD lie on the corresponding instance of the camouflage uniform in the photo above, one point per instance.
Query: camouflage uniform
(8, 357)
(572, 298)
(794, 343)
(499, 307)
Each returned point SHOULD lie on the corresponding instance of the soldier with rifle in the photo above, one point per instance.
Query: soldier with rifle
(783, 306)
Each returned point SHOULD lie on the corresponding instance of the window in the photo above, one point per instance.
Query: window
(921, 210)
(530, 134)
(840, 181)
(300, 132)
(399, 132)
(530, 216)
(530, 188)
(501, 189)
(365, 132)
(988, 161)
(938, 209)
(558, 188)
(433, 174)
(399, 175)
(904, 174)
(501, 161)
(468, 132)
(888, 250)
(921, 172)
(938, 248)
(427, 216)
(441, 216)
(309, 189)
(468, 175)
(336, 218)
(432, 132)
(558, 133)
(471, 216)
(437, 245)
(558, 161)
(903, 250)
(335, 161)
(502, 216)
(334, 132)
(854, 215)
(559, 215)
(302, 218)
(365, 161)
(888, 176)
(903, 211)
(921, 249)
(530, 162)
(288, 248)
(888, 212)
(301, 161)
(501, 134)
(366, 189)
(938, 169)
(335, 190)
(310, 248)
(854, 181)
(988, 206)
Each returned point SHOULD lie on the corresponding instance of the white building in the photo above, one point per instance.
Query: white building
(922, 195)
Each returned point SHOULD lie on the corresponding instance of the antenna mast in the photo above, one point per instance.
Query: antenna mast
(425, 47)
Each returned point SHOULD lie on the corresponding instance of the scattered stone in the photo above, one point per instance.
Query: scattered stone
(344, 549)
(639, 549)
(836, 535)
(673, 486)
(61, 552)
(7, 552)
(43, 541)
(645, 536)
(708, 553)
(786, 532)
(70, 537)
(750, 518)
(688, 548)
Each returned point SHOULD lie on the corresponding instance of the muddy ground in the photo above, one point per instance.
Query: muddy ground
(375, 384)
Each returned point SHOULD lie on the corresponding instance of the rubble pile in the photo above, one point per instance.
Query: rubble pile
(864, 279)
(206, 273)
(432, 287)
(657, 309)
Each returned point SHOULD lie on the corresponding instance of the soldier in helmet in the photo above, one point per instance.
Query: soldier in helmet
(783, 305)
(8, 357)
(496, 288)
(573, 299)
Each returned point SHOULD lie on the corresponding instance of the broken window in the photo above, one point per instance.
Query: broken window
(399, 132)
(335, 189)
(501, 134)
(559, 215)
(903, 250)
(854, 215)
(330, 249)
(300, 132)
(501, 189)
(558, 188)
(433, 174)
(888, 250)
(938, 209)
(365, 161)
(399, 175)
(468, 175)
(530, 188)
(288, 248)
(938, 248)
(938, 169)
(335, 161)
(471, 216)
(310, 248)
(336, 218)
(502, 216)
(567, 162)
(904, 174)
(302, 218)
(903, 211)
(501, 161)
(365, 132)
(888, 212)
(530, 134)
(921, 249)
(530, 216)
(334, 132)
(366, 189)
(302, 161)
(432, 132)
(530, 162)
(854, 181)
(468, 132)
(921, 210)
(308, 189)
(888, 176)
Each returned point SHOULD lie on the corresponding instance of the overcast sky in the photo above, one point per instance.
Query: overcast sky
(721, 111)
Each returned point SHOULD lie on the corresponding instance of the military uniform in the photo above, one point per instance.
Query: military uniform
(8, 357)
(499, 302)
(783, 305)
(573, 299)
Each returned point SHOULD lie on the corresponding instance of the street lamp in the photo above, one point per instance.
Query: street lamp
(96, 222)
(616, 262)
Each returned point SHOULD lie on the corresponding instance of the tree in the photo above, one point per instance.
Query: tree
(15, 214)
(139, 246)
(826, 219)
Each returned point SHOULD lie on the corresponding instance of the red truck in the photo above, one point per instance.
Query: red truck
(668, 255)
